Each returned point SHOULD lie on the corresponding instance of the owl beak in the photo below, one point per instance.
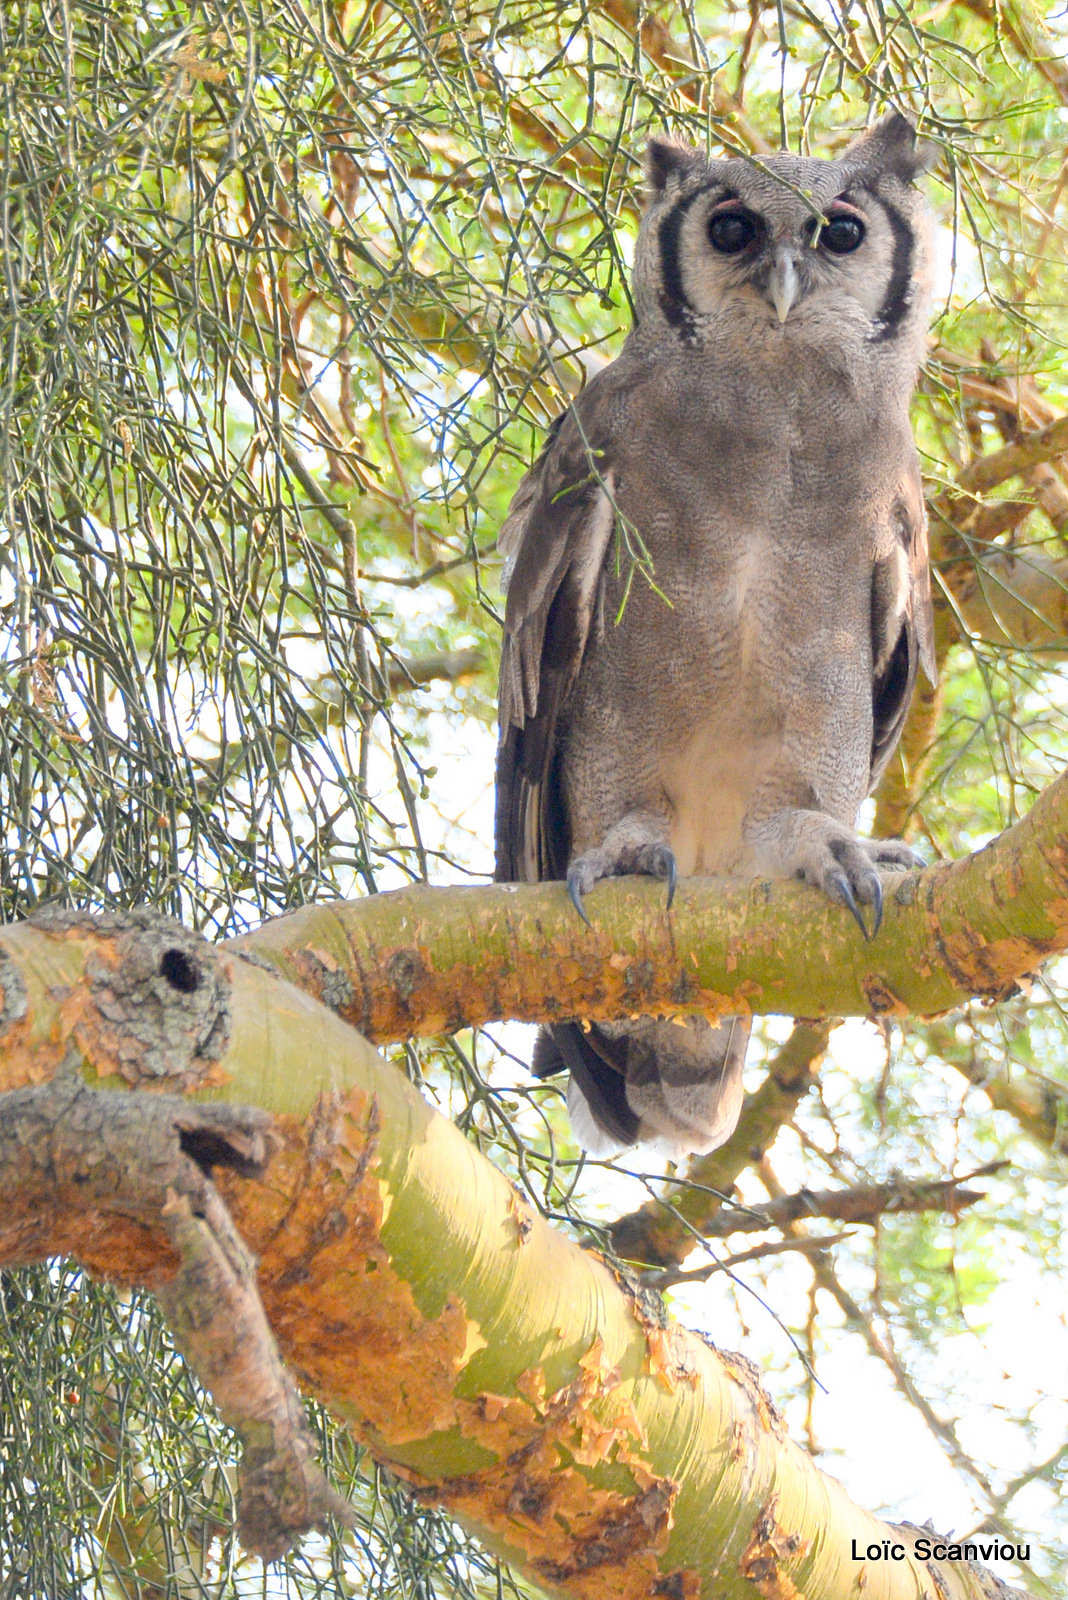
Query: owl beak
(782, 283)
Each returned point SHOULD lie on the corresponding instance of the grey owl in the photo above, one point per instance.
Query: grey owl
(732, 715)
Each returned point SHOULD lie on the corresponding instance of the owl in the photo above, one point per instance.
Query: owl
(718, 589)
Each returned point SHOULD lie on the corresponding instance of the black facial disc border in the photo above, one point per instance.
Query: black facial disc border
(674, 302)
(895, 306)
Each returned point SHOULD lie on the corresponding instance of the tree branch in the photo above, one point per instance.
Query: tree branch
(1018, 599)
(425, 961)
(673, 1276)
(66, 1148)
(998, 466)
(1005, 598)
(448, 664)
(1039, 1104)
(505, 1373)
(866, 1203)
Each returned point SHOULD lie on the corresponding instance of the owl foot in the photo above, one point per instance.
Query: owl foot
(813, 846)
(853, 876)
(624, 853)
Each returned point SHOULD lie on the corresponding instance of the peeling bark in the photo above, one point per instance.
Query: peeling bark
(71, 1152)
(425, 961)
(139, 996)
(214, 1311)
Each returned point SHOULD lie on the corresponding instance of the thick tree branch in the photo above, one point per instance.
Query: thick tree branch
(501, 1370)
(426, 960)
(1016, 599)
(998, 466)
(66, 1149)
(1018, 403)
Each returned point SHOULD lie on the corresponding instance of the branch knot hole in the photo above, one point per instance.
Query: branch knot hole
(180, 971)
(159, 997)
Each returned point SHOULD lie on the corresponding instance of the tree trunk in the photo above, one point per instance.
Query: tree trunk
(508, 1375)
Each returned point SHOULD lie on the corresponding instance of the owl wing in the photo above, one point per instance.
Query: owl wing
(902, 626)
(554, 539)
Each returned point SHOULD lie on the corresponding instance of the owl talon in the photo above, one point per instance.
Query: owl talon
(877, 907)
(659, 862)
(672, 877)
(574, 892)
(840, 887)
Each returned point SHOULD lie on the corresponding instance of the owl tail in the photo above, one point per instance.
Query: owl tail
(676, 1086)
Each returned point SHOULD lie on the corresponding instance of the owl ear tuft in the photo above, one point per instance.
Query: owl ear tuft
(666, 158)
(891, 145)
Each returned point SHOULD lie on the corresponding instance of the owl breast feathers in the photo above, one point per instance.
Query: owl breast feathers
(750, 450)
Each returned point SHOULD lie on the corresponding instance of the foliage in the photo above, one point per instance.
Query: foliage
(290, 291)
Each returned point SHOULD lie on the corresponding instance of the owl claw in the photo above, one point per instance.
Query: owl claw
(659, 861)
(840, 887)
(620, 859)
(877, 906)
(574, 892)
(672, 877)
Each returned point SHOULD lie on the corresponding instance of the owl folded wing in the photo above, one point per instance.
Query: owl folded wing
(555, 538)
(902, 626)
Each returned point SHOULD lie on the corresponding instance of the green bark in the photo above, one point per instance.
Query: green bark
(508, 1374)
(424, 961)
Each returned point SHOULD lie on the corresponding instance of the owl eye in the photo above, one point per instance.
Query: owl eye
(732, 232)
(842, 235)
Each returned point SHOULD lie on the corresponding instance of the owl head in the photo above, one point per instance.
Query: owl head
(788, 241)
